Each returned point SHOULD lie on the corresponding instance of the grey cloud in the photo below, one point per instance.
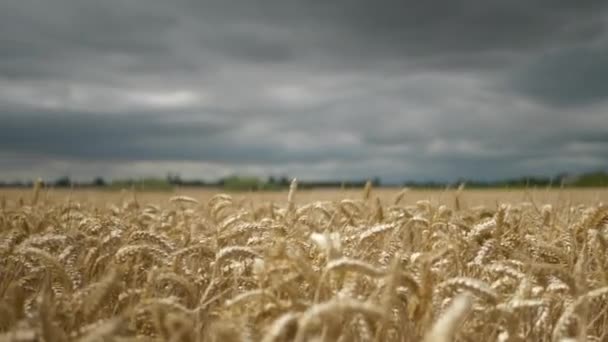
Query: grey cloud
(331, 34)
(145, 137)
(93, 136)
(573, 76)
(398, 89)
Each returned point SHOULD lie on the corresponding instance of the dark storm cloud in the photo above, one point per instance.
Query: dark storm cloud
(96, 137)
(324, 32)
(314, 88)
(570, 77)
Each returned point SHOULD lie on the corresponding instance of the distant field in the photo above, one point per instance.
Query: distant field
(319, 265)
(473, 197)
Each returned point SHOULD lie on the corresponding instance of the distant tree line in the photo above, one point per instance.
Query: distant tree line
(245, 183)
(590, 179)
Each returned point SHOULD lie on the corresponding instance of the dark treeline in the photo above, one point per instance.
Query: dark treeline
(591, 179)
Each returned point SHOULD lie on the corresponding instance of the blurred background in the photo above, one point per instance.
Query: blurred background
(208, 93)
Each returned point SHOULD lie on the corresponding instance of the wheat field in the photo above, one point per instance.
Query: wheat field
(339, 265)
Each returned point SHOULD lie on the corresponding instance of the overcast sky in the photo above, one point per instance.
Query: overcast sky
(318, 89)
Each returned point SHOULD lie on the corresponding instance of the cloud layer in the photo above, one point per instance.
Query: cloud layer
(314, 89)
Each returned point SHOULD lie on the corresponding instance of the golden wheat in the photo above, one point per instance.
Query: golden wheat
(367, 267)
